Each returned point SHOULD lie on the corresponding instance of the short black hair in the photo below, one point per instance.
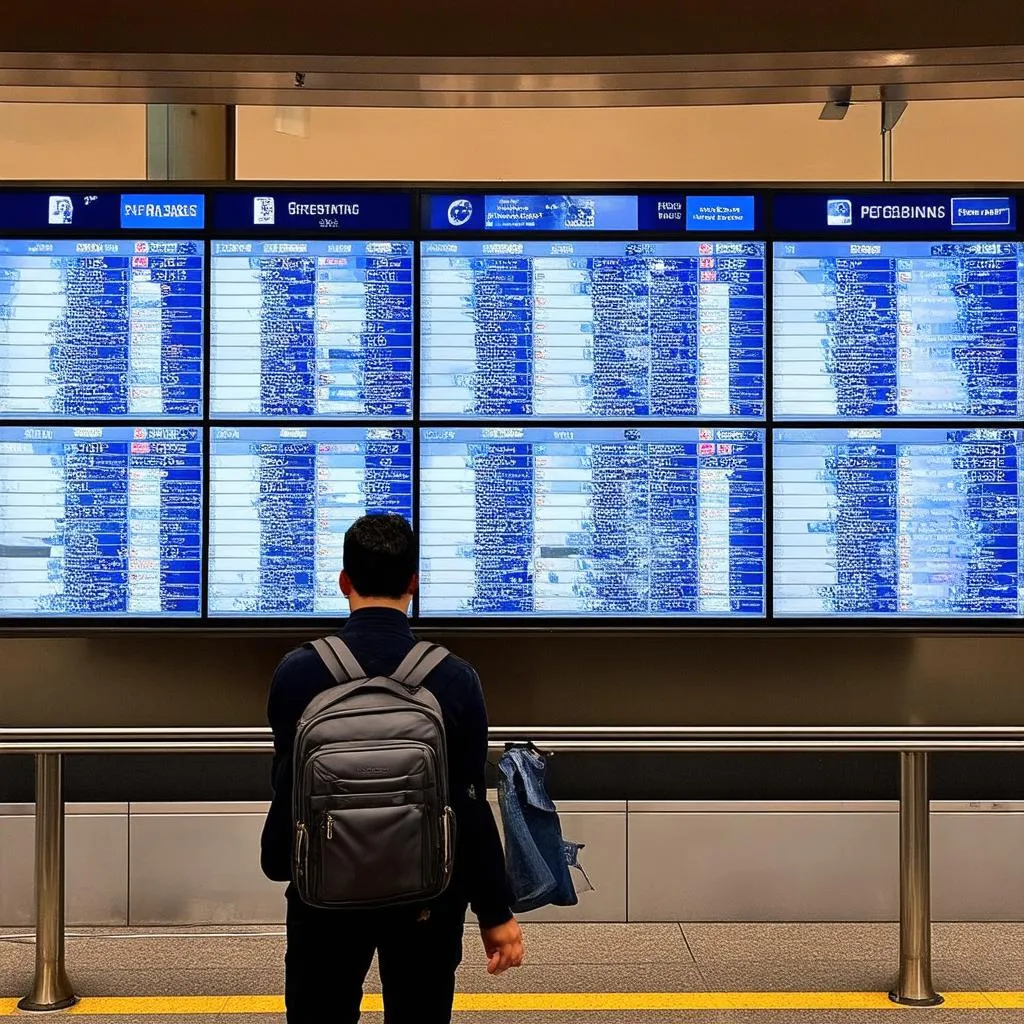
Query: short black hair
(380, 555)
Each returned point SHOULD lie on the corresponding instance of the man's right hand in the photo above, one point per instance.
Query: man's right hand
(504, 946)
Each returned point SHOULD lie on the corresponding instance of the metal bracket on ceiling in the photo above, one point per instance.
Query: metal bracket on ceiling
(838, 103)
(892, 111)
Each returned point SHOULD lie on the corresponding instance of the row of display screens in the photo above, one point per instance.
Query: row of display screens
(678, 210)
(489, 330)
(516, 523)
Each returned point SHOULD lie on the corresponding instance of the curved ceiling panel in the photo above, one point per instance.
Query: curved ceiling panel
(528, 53)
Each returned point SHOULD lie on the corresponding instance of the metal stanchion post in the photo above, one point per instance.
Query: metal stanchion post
(51, 989)
(914, 987)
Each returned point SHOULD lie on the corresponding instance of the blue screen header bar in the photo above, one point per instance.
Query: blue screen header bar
(269, 211)
(892, 213)
(67, 211)
(575, 213)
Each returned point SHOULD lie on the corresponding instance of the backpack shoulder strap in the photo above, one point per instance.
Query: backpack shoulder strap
(340, 661)
(418, 664)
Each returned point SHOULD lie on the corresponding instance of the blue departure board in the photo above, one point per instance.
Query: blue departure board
(591, 330)
(311, 328)
(871, 330)
(897, 522)
(281, 499)
(100, 521)
(595, 521)
(571, 213)
(101, 329)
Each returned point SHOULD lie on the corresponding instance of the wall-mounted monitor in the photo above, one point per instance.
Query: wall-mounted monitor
(106, 328)
(576, 523)
(588, 330)
(898, 330)
(885, 522)
(602, 405)
(311, 328)
(281, 499)
(101, 522)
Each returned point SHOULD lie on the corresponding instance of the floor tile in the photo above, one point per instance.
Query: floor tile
(798, 976)
(175, 981)
(754, 943)
(602, 943)
(978, 941)
(591, 978)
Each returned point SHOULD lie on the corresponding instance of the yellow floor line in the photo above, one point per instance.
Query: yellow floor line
(541, 1002)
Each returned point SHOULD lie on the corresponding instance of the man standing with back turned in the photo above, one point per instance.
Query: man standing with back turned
(419, 947)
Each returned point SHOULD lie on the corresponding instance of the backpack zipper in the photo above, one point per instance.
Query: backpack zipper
(301, 843)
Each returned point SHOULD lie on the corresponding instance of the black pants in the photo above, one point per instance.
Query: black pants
(330, 952)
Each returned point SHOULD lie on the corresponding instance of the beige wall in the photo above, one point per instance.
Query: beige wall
(982, 140)
(951, 140)
(961, 141)
(83, 142)
(766, 143)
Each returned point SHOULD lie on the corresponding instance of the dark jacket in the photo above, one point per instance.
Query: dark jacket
(380, 638)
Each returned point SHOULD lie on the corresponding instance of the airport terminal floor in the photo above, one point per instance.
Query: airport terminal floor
(576, 974)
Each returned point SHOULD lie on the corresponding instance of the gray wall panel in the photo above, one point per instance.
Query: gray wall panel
(200, 869)
(97, 869)
(763, 867)
(978, 866)
(199, 864)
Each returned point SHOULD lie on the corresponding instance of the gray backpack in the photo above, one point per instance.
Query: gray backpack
(374, 827)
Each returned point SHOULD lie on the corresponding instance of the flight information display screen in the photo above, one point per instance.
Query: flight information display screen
(101, 521)
(101, 329)
(591, 330)
(311, 328)
(596, 521)
(601, 405)
(897, 522)
(925, 330)
(281, 499)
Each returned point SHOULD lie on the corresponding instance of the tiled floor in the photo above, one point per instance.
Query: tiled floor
(663, 958)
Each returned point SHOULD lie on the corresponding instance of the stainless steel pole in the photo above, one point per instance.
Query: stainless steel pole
(886, 154)
(914, 987)
(51, 989)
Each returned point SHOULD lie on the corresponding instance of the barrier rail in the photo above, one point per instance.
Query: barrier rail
(52, 989)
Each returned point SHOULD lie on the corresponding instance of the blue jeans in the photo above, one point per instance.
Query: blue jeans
(535, 852)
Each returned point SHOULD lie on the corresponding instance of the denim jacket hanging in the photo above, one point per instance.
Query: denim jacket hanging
(538, 858)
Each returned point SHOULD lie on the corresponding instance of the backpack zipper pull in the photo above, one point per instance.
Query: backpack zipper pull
(300, 848)
(330, 827)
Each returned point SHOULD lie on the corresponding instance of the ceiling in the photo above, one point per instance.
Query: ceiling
(527, 53)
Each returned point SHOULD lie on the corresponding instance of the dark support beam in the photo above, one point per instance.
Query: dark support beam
(525, 28)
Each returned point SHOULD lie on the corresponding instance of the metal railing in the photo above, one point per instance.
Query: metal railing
(52, 989)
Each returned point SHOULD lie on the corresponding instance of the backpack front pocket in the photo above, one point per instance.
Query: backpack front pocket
(372, 847)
